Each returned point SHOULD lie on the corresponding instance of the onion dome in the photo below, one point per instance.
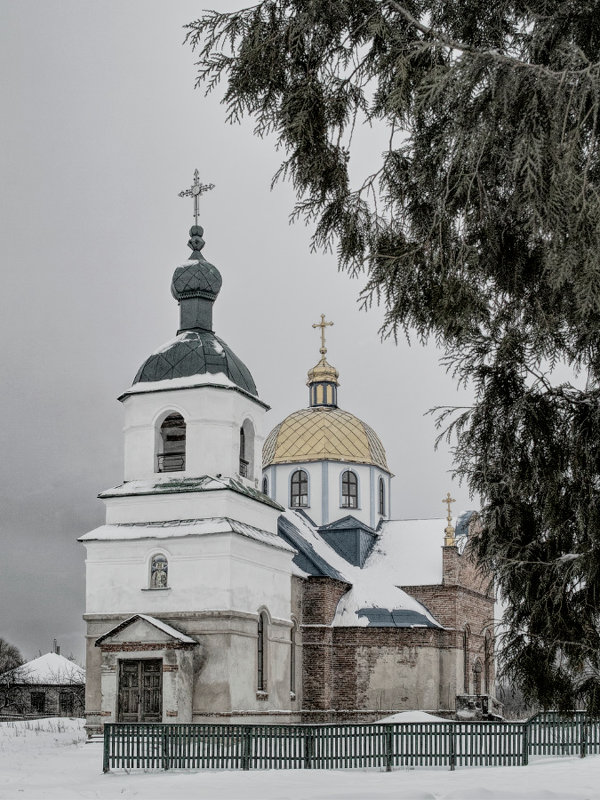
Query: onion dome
(196, 350)
(196, 278)
(323, 434)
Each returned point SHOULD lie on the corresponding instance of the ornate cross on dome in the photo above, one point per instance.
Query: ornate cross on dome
(322, 325)
(449, 540)
(196, 190)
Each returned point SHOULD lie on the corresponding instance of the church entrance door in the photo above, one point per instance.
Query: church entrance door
(140, 691)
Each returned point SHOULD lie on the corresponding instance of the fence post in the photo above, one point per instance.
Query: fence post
(583, 740)
(105, 759)
(165, 746)
(308, 748)
(247, 733)
(525, 756)
(452, 749)
(388, 748)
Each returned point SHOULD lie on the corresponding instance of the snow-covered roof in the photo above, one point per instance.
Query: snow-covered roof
(169, 484)
(374, 598)
(157, 623)
(183, 527)
(50, 669)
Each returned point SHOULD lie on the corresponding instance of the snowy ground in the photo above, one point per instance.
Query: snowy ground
(49, 759)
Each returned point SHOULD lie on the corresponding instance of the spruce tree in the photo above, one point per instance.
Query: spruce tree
(480, 229)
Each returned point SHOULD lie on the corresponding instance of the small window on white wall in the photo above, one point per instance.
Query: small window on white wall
(159, 568)
(381, 497)
(299, 489)
(349, 490)
(265, 485)
(247, 450)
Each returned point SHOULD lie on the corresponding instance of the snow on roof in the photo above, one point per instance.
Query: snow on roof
(50, 669)
(183, 527)
(157, 623)
(162, 626)
(167, 483)
(372, 587)
(184, 382)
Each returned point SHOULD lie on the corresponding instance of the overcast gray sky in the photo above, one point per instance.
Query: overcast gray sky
(102, 127)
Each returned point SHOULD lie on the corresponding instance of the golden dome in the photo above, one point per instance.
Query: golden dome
(323, 433)
(323, 372)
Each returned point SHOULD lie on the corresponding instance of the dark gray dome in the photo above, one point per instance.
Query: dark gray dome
(196, 352)
(196, 277)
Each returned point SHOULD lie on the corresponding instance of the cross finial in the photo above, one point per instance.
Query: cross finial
(196, 190)
(322, 325)
(449, 540)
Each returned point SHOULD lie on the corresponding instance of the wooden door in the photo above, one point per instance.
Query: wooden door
(140, 691)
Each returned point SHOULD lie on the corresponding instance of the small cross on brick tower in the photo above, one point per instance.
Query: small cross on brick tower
(196, 190)
(449, 540)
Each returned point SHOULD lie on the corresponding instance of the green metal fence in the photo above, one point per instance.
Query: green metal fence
(432, 744)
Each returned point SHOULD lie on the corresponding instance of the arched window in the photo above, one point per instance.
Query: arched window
(261, 678)
(466, 634)
(293, 659)
(299, 489)
(265, 485)
(381, 497)
(349, 490)
(171, 457)
(159, 568)
(488, 651)
(477, 677)
(247, 450)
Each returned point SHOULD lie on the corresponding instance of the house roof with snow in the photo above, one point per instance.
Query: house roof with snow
(50, 669)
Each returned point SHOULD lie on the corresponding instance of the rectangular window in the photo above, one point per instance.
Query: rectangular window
(38, 702)
(66, 704)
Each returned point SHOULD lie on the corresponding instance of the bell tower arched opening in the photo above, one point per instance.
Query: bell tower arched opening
(171, 444)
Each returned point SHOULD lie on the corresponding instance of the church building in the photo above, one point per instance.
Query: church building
(238, 579)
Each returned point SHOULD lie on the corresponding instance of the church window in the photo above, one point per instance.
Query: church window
(299, 489)
(293, 659)
(466, 634)
(159, 567)
(171, 457)
(247, 450)
(261, 680)
(488, 650)
(265, 485)
(349, 490)
(477, 677)
(381, 497)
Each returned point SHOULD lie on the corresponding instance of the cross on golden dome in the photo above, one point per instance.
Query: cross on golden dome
(449, 540)
(322, 325)
(196, 190)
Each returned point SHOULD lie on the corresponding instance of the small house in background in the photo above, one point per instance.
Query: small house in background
(48, 686)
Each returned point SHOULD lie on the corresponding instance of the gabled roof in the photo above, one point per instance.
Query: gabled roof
(156, 623)
(345, 523)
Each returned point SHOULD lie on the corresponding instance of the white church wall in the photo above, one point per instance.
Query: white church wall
(190, 505)
(325, 490)
(224, 571)
(213, 418)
